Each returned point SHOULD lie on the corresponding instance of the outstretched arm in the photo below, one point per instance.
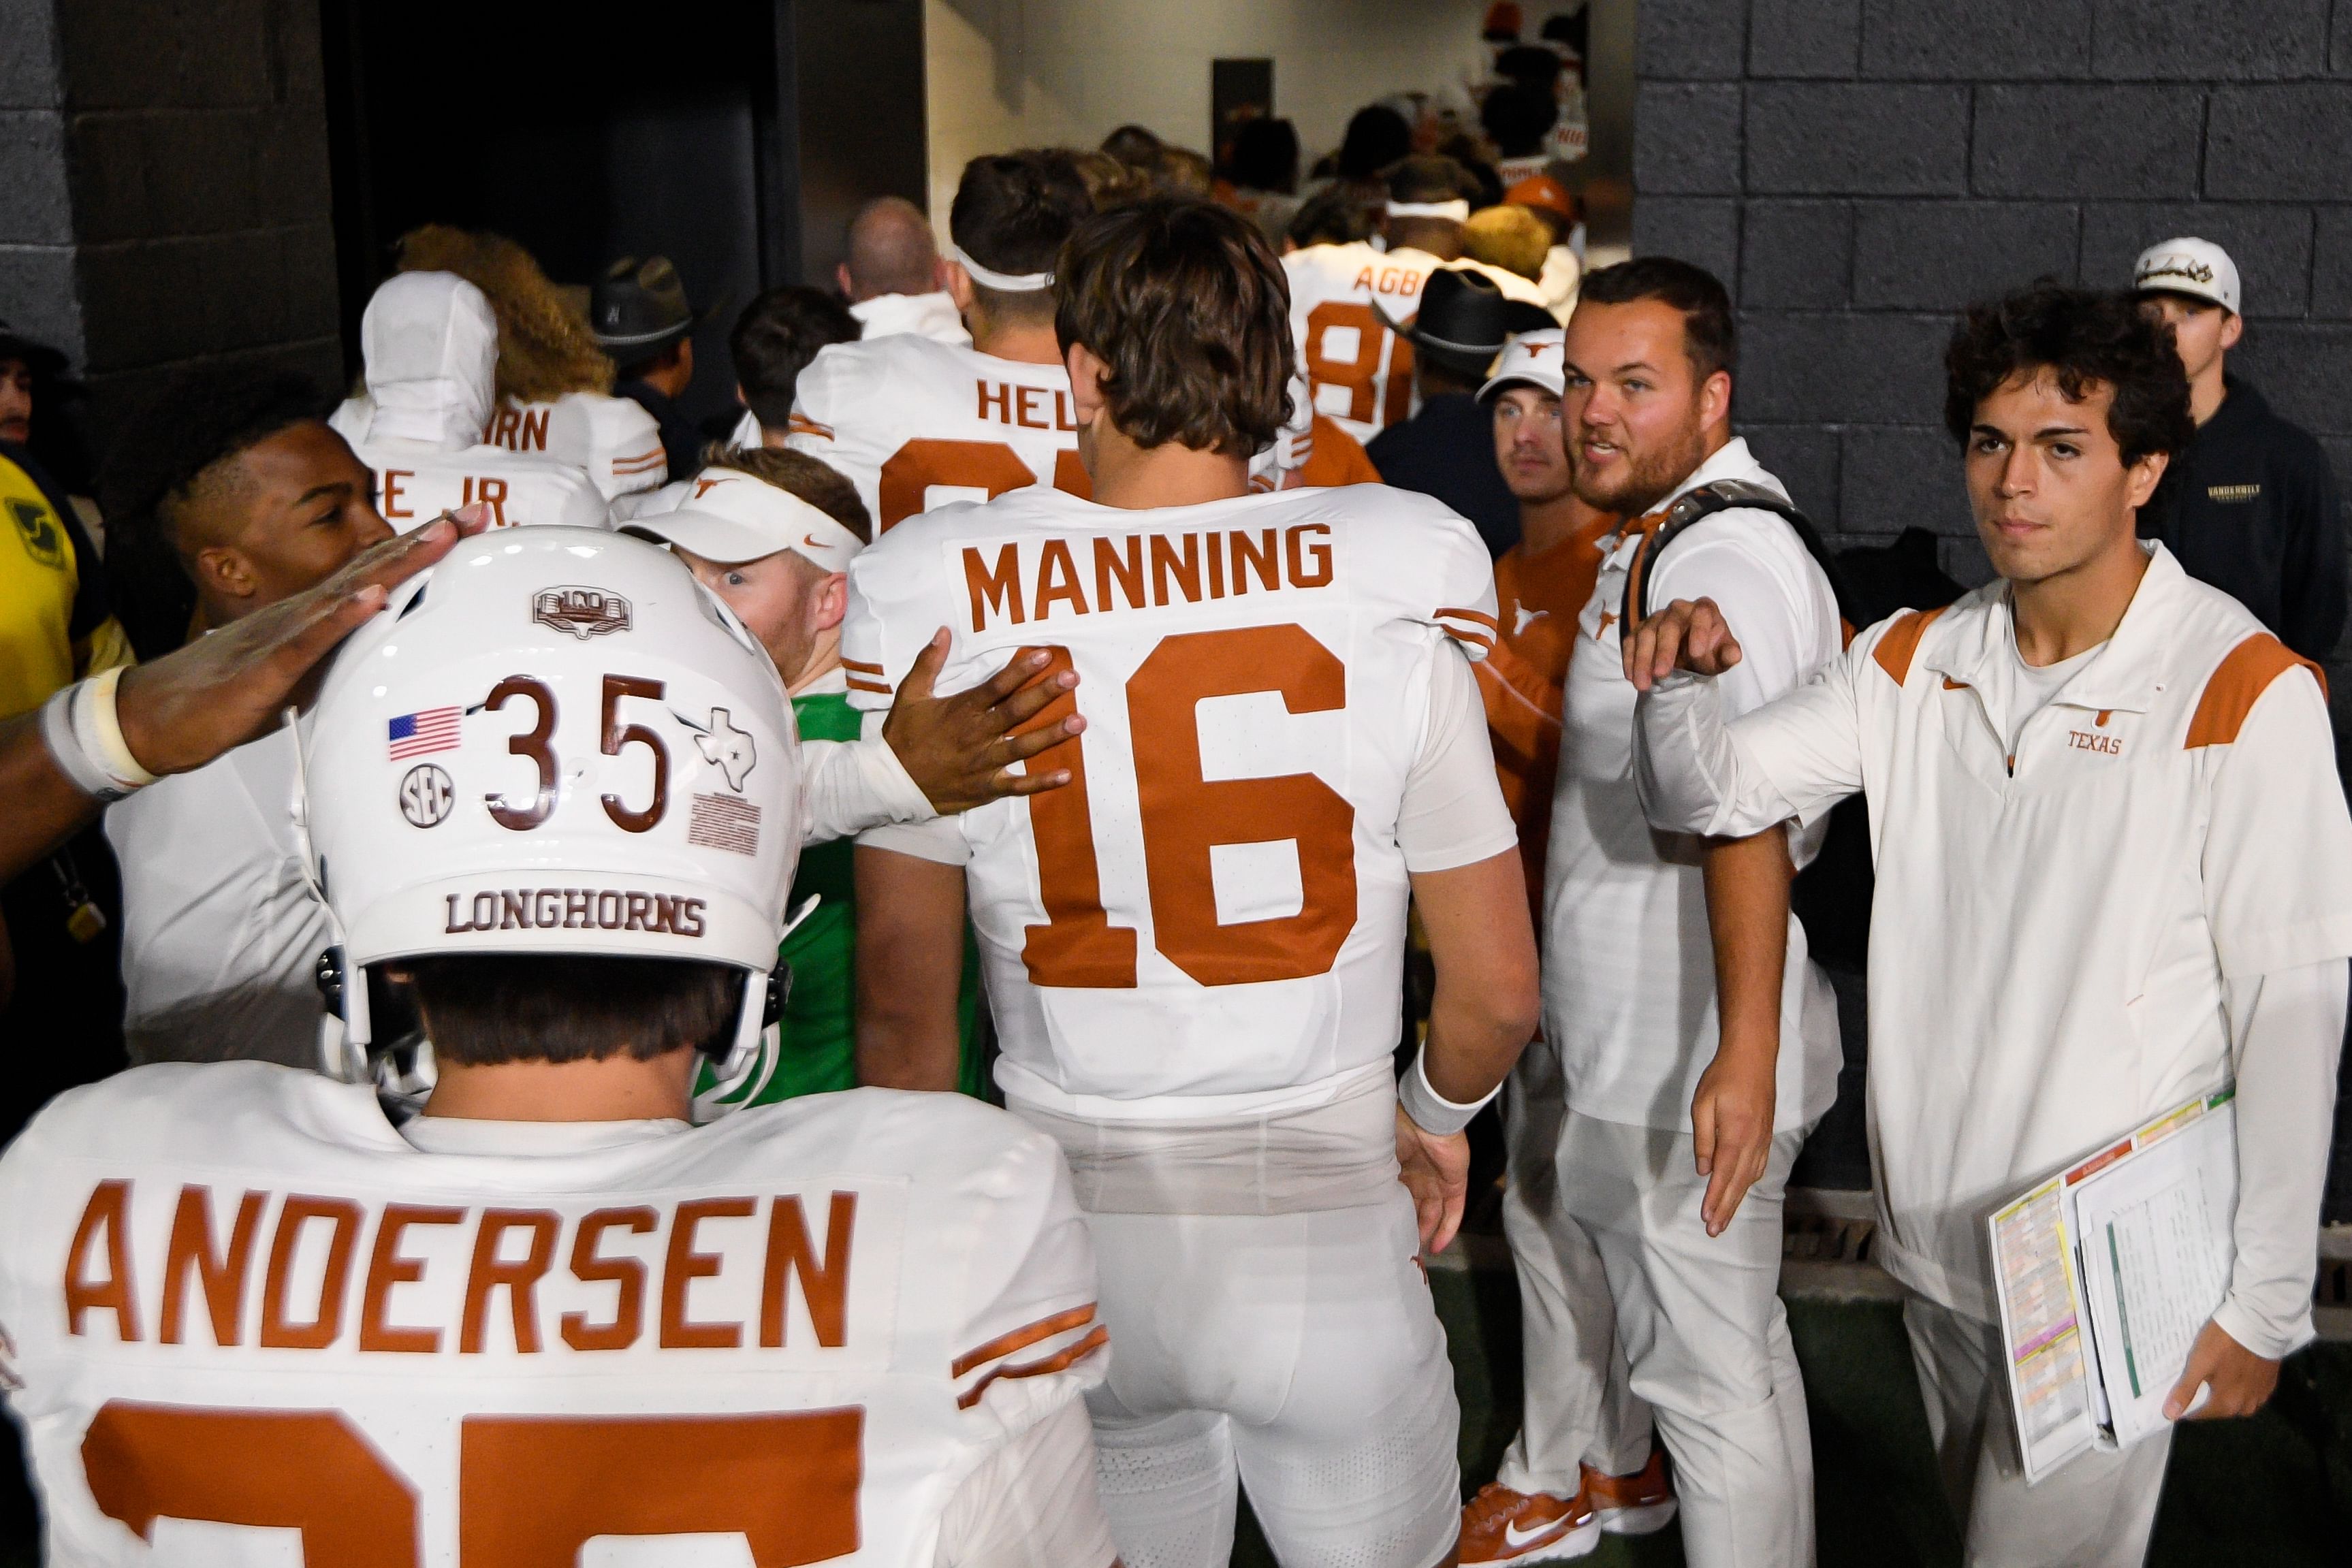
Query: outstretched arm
(959, 750)
(939, 756)
(218, 693)
(1794, 756)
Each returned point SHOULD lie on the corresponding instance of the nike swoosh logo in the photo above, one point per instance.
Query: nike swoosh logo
(813, 542)
(1515, 1541)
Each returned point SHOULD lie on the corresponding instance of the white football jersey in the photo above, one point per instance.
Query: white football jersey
(1361, 373)
(613, 440)
(415, 483)
(917, 423)
(239, 1305)
(1215, 906)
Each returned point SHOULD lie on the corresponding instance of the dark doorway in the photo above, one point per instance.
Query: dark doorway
(592, 131)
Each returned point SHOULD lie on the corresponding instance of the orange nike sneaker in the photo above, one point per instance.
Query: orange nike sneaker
(1505, 1526)
(1637, 1504)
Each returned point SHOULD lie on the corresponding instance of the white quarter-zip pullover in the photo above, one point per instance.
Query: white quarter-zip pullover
(2150, 893)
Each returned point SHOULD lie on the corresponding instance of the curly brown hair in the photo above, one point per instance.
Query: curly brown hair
(1185, 305)
(2085, 338)
(545, 349)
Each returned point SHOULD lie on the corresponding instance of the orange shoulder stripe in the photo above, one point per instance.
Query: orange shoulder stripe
(2238, 683)
(1478, 617)
(1478, 640)
(1060, 1359)
(1896, 649)
(1006, 1343)
(862, 666)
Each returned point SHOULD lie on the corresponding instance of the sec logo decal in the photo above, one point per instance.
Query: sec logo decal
(426, 796)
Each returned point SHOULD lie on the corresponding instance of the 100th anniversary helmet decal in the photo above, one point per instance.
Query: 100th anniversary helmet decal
(585, 613)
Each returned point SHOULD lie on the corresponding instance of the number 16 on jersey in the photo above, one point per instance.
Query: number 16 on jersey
(1186, 816)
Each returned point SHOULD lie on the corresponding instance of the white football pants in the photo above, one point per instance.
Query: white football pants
(1298, 1351)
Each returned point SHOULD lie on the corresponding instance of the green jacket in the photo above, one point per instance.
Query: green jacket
(820, 1039)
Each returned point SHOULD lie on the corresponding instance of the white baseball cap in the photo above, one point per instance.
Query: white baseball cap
(1530, 359)
(2188, 266)
(725, 515)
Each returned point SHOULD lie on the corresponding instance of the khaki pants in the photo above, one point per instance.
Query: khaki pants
(2096, 1512)
(1698, 1327)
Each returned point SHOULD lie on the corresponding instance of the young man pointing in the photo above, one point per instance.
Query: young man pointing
(2114, 870)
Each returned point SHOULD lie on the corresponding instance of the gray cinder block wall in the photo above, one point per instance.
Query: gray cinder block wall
(163, 188)
(1856, 170)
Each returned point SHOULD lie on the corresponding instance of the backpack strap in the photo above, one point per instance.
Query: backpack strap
(1661, 527)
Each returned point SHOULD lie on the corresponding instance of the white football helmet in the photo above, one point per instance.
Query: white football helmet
(554, 741)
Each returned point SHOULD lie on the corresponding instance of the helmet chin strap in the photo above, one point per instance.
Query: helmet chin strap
(743, 1072)
(739, 1076)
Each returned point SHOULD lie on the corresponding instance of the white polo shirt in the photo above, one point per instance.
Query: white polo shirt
(2077, 933)
(1629, 966)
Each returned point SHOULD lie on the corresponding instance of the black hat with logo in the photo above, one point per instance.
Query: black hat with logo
(638, 308)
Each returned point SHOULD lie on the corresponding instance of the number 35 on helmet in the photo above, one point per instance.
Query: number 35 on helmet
(554, 741)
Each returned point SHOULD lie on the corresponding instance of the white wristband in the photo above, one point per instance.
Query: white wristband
(84, 738)
(1430, 1111)
(103, 731)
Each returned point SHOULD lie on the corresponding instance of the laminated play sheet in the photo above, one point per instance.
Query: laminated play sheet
(2106, 1273)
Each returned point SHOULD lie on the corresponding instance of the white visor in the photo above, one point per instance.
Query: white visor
(730, 518)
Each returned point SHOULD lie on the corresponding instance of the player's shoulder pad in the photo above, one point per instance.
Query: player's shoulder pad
(945, 1144)
(853, 380)
(174, 1110)
(1412, 531)
(875, 357)
(838, 373)
(1415, 551)
(1328, 259)
(607, 419)
(539, 468)
(913, 540)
